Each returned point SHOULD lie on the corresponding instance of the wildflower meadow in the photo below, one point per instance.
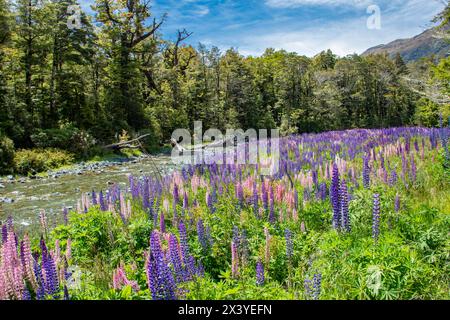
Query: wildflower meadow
(357, 214)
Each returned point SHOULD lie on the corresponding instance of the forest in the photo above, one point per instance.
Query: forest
(78, 88)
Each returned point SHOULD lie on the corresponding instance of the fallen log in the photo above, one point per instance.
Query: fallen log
(126, 144)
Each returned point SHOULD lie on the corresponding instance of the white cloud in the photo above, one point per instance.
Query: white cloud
(202, 11)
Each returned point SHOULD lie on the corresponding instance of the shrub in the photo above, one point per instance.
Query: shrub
(427, 113)
(38, 160)
(6, 154)
(67, 137)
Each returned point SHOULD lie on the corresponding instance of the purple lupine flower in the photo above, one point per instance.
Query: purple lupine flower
(4, 233)
(146, 196)
(160, 277)
(26, 294)
(66, 293)
(317, 284)
(202, 236)
(183, 240)
(162, 223)
(209, 202)
(376, 217)
(335, 197)
(185, 201)
(413, 170)
(397, 203)
(200, 269)
(366, 172)
(289, 244)
(175, 259)
(239, 194)
(255, 199)
(265, 196)
(65, 215)
(345, 218)
(259, 273)
(40, 292)
(94, 198)
(323, 191)
(393, 178)
(175, 194)
(102, 202)
(9, 222)
(51, 282)
(315, 178)
(308, 288)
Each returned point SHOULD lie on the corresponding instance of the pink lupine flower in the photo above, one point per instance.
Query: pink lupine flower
(27, 262)
(120, 280)
(195, 183)
(248, 184)
(294, 215)
(43, 221)
(57, 252)
(69, 250)
(11, 272)
(303, 227)
(289, 200)
(166, 205)
(279, 193)
(177, 179)
(79, 207)
(281, 216)
(128, 209)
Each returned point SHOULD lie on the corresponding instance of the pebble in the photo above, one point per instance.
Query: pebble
(6, 200)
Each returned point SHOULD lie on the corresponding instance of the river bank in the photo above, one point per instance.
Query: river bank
(24, 197)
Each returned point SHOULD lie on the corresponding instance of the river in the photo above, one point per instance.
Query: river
(25, 200)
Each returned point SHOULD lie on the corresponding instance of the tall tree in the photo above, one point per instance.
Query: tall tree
(124, 24)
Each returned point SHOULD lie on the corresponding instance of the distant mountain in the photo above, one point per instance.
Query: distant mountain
(422, 45)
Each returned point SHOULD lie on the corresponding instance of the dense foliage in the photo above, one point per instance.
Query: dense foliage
(359, 214)
(38, 160)
(59, 84)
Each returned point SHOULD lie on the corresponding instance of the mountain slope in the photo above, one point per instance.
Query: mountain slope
(425, 44)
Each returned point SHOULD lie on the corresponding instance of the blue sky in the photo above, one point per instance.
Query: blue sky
(303, 26)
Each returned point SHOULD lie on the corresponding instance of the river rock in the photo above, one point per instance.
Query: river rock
(2, 186)
(6, 200)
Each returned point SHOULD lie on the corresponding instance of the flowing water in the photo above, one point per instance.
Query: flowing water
(52, 194)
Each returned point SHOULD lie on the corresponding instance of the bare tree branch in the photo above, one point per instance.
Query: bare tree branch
(155, 27)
